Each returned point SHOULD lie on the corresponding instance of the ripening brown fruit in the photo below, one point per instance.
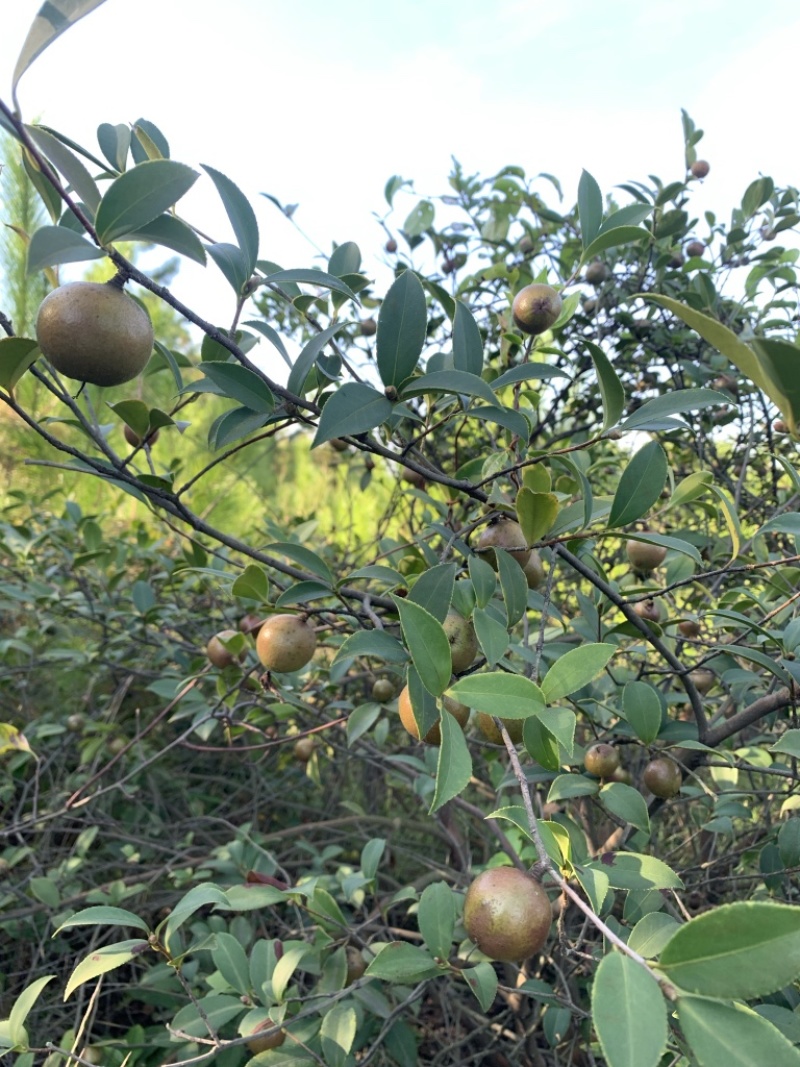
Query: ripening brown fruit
(622, 774)
(356, 965)
(702, 679)
(338, 445)
(218, 654)
(391, 246)
(695, 248)
(601, 760)
(250, 623)
(596, 273)
(383, 690)
(488, 728)
(647, 610)
(525, 245)
(304, 749)
(700, 168)
(689, 627)
(534, 570)
(507, 914)
(463, 641)
(780, 426)
(676, 260)
(94, 332)
(413, 477)
(503, 532)
(536, 308)
(135, 440)
(262, 1044)
(663, 778)
(590, 306)
(285, 643)
(644, 557)
(460, 713)
(369, 327)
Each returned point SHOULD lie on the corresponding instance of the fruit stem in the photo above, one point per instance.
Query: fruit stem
(119, 279)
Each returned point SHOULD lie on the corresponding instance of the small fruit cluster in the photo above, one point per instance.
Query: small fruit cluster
(284, 643)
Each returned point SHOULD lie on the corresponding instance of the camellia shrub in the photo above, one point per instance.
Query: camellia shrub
(576, 428)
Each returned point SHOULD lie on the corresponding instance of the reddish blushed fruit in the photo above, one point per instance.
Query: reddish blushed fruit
(250, 623)
(135, 440)
(689, 628)
(507, 914)
(488, 728)
(391, 246)
(695, 249)
(536, 308)
(460, 713)
(369, 327)
(700, 168)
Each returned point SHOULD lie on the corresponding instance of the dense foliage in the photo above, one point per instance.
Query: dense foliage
(194, 846)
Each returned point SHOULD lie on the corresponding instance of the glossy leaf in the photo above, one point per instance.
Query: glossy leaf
(140, 195)
(17, 354)
(482, 980)
(467, 341)
(575, 669)
(540, 743)
(454, 765)
(629, 1013)
(53, 19)
(674, 403)
(640, 485)
(345, 259)
(103, 960)
(428, 644)
(354, 408)
(172, 232)
(234, 425)
(732, 1035)
(252, 584)
(436, 916)
(375, 643)
(22, 1006)
(630, 870)
(626, 803)
(402, 325)
(590, 208)
(213, 1010)
(240, 214)
(299, 275)
(433, 590)
(514, 586)
(242, 384)
(498, 693)
(642, 709)
(492, 635)
(611, 391)
(308, 357)
(567, 786)
(69, 166)
(780, 361)
(450, 381)
(50, 246)
(788, 743)
(402, 963)
(103, 915)
(651, 933)
(337, 1034)
(747, 949)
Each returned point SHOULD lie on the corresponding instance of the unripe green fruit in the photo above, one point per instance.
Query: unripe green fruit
(601, 760)
(643, 556)
(304, 749)
(507, 914)
(703, 679)
(383, 690)
(503, 533)
(533, 570)
(285, 643)
(596, 273)
(622, 774)
(463, 642)
(94, 332)
(488, 728)
(536, 308)
(663, 778)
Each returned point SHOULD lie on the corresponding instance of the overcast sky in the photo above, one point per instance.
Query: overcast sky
(318, 103)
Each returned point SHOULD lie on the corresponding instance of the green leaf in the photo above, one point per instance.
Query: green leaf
(674, 403)
(642, 709)
(628, 1012)
(690, 488)
(251, 897)
(140, 195)
(17, 354)
(252, 583)
(467, 341)
(561, 724)
(732, 1035)
(103, 915)
(428, 644)
(651, 933)
(492, 635)
(234, 425)
(590, 208)
(789, 842)
(541, 744)
(483, 580)
(272, 336)
(780, 361)
(230, 960)
(567, 786)
(524, 372)
(327, 913)
(22, 1006)
(594, 884)
(536, 513)
(199, 896)
(337, 1034)
(217, 1009)
(115, 143)
(673, 543)
(436, 917)
(371, 856)
(498, 693)
(305, 557)
(626, 803)
(360, 720)
(285, 968)
(576, 669)
(53, 19)
(345, 259)
(103, 960)
(514, 421)
(242, 384)
(402, 325)
(731, 519)
(172, 232)
(630, 870)
(454, 765)
(788, 743)
(302, 276)
(308, 357)
(611, 391)
(433, 590)
(68, 164)
(620, 235)
(240, 213)
(51, 246)
(354, 408)
(482, 980)
(419, 220)
(375, 643)
(640, 485)
(514, 586)
(747, 949)
(450, 381)
(402, 963)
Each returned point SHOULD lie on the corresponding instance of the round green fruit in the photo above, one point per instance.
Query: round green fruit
(536, 308)
(601, 760)
(644, 557)
(463, 642)
(596, 273)
(304, 749)
(94, 332)
(505, 533)
(702, 679)
(285, 643)
(507, 914)
(533, 570)
(663, 778)
(488, 728)
(383, 690)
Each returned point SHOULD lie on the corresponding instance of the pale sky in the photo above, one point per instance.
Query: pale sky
(318, 103)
